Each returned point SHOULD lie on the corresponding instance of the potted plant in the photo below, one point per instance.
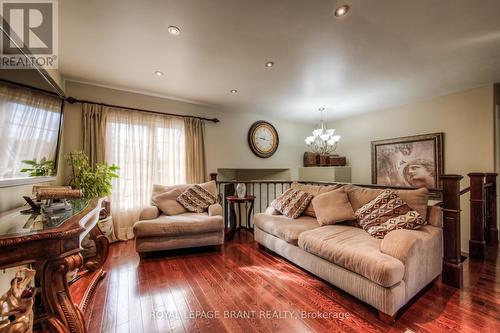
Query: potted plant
(43, 167)
(94, 182)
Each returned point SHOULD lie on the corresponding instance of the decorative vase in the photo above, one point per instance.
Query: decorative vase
(241, 190)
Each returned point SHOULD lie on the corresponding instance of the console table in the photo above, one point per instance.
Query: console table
(51, 244)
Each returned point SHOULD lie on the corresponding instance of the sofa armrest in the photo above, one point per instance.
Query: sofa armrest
(421, 251)
(215, 210)
(400, 244)
(271, 211)
(149, 213)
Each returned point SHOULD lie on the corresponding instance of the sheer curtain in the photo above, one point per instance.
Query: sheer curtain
(29, 128)
(149, 149)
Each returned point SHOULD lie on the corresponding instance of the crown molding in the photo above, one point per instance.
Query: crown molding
(136, 91)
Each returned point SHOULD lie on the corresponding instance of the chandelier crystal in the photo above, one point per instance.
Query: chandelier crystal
(322, 141)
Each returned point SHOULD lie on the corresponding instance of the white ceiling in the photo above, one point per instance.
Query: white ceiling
(383, 53)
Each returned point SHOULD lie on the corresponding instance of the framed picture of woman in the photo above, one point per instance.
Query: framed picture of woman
(412, 161)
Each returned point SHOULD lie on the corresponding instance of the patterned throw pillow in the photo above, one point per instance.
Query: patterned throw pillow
(387, 212)
(292, 202)
(196, 199)
(410, 220)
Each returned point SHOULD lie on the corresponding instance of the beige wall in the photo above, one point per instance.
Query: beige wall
(226, 141)
(466, 118)
(57, 77)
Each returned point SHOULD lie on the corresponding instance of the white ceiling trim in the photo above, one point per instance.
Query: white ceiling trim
(137, 91)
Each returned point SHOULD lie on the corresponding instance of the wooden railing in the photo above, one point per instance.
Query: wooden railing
(483, 212)
(452, 252)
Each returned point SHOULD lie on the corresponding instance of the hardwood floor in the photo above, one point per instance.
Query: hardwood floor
(196, 292)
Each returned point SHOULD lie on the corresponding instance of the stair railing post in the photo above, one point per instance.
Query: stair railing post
(492, 207)
(477, 243)
(452, 260)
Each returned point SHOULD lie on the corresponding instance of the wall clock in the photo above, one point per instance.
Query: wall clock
(263, 139)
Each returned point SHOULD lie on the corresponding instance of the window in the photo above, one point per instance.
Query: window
(29, 129)
(149, 149)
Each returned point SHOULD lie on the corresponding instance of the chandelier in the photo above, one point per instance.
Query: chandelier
(322, 141)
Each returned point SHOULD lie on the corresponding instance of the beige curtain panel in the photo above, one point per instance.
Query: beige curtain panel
(94, 118)
(194, 130)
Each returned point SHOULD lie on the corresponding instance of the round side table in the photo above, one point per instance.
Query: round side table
(235, 225)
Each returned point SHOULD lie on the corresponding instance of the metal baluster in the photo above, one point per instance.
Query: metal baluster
(267, 195)
(260, 197)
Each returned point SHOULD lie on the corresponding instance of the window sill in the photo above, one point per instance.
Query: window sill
(11, 182)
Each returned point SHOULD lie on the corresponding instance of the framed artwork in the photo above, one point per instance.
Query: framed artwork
(412, 161)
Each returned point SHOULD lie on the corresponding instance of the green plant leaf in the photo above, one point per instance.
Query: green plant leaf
(93, 182)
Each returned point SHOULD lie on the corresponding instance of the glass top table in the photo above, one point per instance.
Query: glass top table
(16, 223)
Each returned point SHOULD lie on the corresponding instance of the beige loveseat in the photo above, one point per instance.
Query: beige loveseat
(385, 273)
(156, 231)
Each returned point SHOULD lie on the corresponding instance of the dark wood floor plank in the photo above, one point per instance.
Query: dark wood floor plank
(314, 302)
(243, 301)
(218, 300)
(223, 301)
(178, 288)
(257, 298)
(198, 303)
(241, 277)
(109, 322)
(98, 306)
(275, 298)
(171, 307)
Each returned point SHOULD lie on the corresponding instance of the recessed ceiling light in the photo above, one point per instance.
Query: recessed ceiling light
(158, 73)
(342, 10)
(173, 30)
(269, 64)
(233, 91)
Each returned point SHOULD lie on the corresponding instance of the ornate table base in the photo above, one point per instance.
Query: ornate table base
(55, 251)
(235, 225)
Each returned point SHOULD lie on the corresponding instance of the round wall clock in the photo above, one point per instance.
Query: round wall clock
(263, 139)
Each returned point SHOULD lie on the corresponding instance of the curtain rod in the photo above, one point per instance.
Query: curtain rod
(72, 100)
(32, 88)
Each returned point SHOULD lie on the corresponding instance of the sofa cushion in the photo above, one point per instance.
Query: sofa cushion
(353, 249)
(314, 190)
(416, 199)
(215, 209)
(178, 225)
(196, 199)
(149, 213)
(158, 189)
(292, 202)
(167, 202)
(283, 227)
(333, 207)
(209, 186)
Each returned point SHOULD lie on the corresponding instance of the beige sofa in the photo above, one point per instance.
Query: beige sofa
(156, 231)
(385, 273)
